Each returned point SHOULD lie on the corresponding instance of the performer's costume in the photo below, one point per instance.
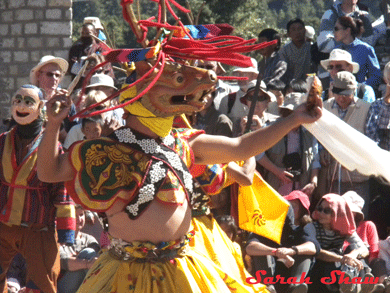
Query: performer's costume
(29, 212)
(138, 170)
(210, 240)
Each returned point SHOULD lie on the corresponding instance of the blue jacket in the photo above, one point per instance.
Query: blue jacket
(364, 54)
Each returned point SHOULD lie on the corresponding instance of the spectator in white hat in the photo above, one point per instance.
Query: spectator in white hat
(98, 26)
(105, 83)
(341, 60)
(231, 105)
(260, 117)
(102, 82)
(310, 33)
(48, 73)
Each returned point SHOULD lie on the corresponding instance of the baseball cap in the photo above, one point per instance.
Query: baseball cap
(344, 83)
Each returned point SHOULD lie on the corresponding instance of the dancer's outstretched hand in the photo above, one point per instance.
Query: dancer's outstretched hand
(57, 108)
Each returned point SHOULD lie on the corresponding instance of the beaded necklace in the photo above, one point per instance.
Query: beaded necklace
(163, 158)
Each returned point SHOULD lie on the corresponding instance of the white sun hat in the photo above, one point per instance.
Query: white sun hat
(340, 55)
(95, 21)
(62, 63)
(252, 68)
(101, 80)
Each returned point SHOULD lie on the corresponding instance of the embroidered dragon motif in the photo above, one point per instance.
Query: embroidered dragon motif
(117, 160)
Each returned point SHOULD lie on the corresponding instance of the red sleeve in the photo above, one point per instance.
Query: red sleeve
(368, 233)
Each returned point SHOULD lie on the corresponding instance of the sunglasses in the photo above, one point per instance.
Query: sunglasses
(51, 74)
(337, 67)
(336, 29)
(326, 211)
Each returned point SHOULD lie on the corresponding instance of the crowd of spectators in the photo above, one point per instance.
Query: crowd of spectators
(337, 218)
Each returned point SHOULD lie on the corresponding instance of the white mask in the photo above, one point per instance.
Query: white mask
(26, 106)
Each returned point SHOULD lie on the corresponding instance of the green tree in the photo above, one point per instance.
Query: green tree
(248, 17)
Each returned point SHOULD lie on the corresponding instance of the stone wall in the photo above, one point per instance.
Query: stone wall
(30, 29)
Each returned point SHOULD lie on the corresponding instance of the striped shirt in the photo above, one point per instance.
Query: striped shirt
(24, 199)
(298, 60)
(333, 241)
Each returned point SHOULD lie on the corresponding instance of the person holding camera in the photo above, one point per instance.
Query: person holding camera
(293, 163)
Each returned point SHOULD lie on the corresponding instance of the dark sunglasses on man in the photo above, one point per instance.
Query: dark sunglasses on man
(338, 67)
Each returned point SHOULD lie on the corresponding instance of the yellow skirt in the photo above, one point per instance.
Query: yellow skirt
(189, 273)
(212, 242)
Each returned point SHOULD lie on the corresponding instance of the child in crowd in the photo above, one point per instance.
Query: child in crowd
(78, 258)
(276, 87)
(92, 127)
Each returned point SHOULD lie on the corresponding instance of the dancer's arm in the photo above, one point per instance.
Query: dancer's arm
(52, 166)
(210, 149)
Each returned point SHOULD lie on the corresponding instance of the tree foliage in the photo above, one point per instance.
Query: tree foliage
(248, 17)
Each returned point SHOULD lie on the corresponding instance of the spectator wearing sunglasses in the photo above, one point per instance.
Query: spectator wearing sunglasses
(334, 224)
(346, 32)
(341, 60)
(48, 73)
(326, 39)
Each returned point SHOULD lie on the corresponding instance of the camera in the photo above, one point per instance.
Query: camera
(296, 174)
(293, 163)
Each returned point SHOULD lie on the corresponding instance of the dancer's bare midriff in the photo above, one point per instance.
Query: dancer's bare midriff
(159, 222)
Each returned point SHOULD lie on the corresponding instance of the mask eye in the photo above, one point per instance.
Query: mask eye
(178, 78)
(29, 100)
(17, 99)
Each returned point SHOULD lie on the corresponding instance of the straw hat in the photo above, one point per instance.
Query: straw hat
(62, 63)
(340, 55)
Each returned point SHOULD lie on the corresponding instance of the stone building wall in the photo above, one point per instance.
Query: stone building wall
(30, 29)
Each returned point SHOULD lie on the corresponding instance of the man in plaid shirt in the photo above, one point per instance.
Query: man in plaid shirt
(378, 117)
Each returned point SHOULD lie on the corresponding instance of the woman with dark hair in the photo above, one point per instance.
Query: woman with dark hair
(271, 67)
(347, 30)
